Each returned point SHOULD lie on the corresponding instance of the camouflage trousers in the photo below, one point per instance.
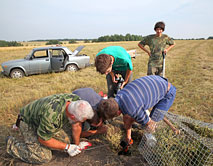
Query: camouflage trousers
(29, 149)
(153, 70)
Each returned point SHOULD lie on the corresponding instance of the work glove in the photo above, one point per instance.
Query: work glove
(84, 145)
(73, 150)
(125, 147)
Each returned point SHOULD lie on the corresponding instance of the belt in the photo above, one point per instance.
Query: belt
(169, 86)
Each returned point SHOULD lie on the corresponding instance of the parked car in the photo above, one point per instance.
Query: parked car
(45, 60)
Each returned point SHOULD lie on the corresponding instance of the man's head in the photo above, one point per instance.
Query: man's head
(79, 111)
(108, 109)
(160, 25)
(103, 63)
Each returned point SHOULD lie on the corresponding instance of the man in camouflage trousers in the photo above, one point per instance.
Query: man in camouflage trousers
(41, 122)
(157, 44)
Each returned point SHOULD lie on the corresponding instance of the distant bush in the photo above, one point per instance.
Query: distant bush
(94, 40)
(86, 41)
(4, 43)
(50, 42)
(72, 41)
(210, 37)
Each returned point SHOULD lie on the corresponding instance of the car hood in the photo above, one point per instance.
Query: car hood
(77, 50)
(12, 62)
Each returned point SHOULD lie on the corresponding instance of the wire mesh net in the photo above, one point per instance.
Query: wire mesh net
(192, 147)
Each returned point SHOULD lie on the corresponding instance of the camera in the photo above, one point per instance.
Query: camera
(118, 84)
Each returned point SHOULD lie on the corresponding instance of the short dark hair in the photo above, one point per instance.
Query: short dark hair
(102, 63)
(160, 25)
(108, 109)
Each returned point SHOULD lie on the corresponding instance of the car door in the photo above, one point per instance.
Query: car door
(57, 59)
(40, 62)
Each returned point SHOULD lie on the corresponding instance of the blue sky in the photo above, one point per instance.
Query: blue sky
(23, 20)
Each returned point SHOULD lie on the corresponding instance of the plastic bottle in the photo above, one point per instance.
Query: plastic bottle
(150, 139)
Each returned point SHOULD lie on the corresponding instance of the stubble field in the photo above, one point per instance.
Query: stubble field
(189, 66)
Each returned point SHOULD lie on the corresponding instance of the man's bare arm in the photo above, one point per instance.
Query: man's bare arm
(128, 121)
(76, 132)
(100, 130)
(53, 143)
(143, 48)
(128, 73)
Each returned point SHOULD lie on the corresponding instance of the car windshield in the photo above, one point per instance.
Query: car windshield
(68, 51)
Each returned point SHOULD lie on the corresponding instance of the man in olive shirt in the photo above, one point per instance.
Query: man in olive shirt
(157, 44)
(111, 61)
(41, 122)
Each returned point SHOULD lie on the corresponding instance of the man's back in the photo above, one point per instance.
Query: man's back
(44, 109)
(89, 95)
(141, 94)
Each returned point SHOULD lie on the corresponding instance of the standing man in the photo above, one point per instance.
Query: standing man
(41, 121)
(157, 44)
(95, 125)
(111, 61)
(138, 96)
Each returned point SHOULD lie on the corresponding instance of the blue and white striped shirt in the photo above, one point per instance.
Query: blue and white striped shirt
(140, 95)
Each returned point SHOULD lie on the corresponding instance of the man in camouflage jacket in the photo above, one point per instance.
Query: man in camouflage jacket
(41, 122)
(157, 44)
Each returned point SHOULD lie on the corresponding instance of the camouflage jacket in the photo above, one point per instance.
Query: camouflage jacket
(157, 46)
(47, 115)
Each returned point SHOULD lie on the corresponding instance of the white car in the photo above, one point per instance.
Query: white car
(46, 60)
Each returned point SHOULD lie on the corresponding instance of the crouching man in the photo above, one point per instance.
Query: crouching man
(138, 96)
(95, 125)
(41, 122)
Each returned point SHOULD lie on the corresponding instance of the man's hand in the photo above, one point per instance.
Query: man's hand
(143, 48)
(101, 129)
(113, 76)
(150, 126)
(125, 147)
(84, 145)
(114, 80)
(73, 150)
(124, 83)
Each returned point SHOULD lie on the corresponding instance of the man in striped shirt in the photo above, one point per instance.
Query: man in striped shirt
(132, 101)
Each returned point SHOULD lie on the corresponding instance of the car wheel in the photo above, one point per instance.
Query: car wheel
(16, 73)
(72, 67)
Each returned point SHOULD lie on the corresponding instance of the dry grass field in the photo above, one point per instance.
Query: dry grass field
(189, 66)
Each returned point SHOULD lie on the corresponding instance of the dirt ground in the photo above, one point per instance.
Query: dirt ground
(102, 152)
(101, 155)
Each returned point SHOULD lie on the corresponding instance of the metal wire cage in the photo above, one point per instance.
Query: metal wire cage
(192, 147)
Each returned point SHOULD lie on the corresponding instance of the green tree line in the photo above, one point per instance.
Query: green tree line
(116, 37)
(106, 38)
(50, 42)
(4, 43)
